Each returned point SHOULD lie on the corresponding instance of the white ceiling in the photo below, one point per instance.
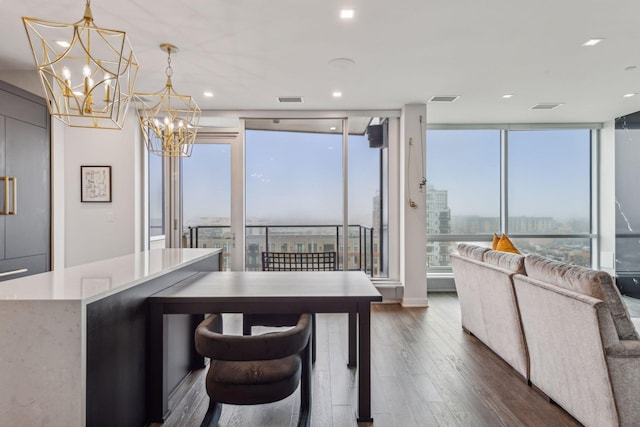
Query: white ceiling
(250, 52)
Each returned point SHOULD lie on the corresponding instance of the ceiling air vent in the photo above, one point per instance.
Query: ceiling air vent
(290, 99)
(444, 98)
(547, 106)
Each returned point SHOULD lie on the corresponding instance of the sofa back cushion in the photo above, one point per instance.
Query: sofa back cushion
(597, 284)
(505, 260)
(472, 251)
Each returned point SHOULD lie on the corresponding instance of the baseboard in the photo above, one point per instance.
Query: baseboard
(415, 302)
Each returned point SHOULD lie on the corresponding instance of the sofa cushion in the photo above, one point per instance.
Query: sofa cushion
(505, 260)
(472, 251)
(495, 241)
(597, 284)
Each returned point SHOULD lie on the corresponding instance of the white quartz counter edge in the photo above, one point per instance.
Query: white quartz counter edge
(93, 281)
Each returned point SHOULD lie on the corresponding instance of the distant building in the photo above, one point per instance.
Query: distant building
(438, 222)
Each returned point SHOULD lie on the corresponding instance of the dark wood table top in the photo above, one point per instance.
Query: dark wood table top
(246, 286)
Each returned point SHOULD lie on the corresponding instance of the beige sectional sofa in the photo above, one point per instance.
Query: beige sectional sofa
(484, 281)
(582, 348)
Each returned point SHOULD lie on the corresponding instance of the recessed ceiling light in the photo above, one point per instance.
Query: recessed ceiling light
(63, 43)
(332, 128)
(346, 14)
(630, 68)
(629, 95)
(337, 94)
(592, 42)
(342, 63)
(208, 94)
(507, 96)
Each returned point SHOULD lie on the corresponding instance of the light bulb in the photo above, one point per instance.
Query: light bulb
(166, 120)
(86, 71)
(66, 73)
(181, 124)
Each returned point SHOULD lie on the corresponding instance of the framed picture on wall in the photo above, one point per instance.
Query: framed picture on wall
(95, 183)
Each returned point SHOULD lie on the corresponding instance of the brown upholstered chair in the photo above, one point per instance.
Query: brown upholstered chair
(251, 370)
(290, 261)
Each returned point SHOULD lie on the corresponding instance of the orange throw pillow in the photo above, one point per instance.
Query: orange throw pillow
(506, 245)
(496, 239)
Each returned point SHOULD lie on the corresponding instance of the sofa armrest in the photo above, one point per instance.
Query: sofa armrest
(624, 349)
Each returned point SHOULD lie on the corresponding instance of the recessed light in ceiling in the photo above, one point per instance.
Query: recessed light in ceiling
(208, 94)
(592, 42)
(63, 43)
(546, 106)
(630, 68)
(337, 94)
(507, 96)
(342, 63)
(629, 95)
(346, 14)
(447, 98)
(332, 128)
(289, 99)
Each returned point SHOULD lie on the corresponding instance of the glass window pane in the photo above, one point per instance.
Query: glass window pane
(367, 205)
(463, 181)
(293, 186)
(549, 181)
(206, 198)
(570, 250)
(463, 188)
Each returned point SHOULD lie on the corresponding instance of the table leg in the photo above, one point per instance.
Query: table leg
(353, 337)
(156, 382)
(364, 362)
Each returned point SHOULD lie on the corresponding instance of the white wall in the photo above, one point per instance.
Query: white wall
(607, 198)
(95, 231)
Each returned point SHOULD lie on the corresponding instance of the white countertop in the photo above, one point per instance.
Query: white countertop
(96, 280)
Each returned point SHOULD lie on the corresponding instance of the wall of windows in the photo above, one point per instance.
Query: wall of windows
(534, 185)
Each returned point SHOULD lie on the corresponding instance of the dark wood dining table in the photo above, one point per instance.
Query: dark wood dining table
(264, 292)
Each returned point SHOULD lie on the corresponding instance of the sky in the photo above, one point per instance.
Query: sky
(291, 177)
(548, 171)
(296, 178)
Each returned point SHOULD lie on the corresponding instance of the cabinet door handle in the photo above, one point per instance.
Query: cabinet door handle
(14, 198)
(12, 272)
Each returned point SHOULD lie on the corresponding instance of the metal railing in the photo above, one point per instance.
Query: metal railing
(291, 238)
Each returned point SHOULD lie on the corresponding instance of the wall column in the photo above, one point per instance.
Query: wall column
(607, 198)
(413, 206)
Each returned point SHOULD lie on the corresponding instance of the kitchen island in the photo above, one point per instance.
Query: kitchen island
(73, 343)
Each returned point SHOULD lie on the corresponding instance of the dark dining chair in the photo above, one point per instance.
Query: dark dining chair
(290, 261)
(252, 370)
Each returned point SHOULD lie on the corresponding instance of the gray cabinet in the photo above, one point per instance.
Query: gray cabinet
(24, 158)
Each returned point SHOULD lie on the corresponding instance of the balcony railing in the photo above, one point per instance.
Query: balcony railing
(291, 238)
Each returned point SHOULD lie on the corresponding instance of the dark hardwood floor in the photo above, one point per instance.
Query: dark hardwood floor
(425, 372)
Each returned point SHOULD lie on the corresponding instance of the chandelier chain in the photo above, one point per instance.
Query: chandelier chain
(169, 69)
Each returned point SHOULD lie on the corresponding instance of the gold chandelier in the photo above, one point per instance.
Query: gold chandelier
(169, 121)
(87, 73)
